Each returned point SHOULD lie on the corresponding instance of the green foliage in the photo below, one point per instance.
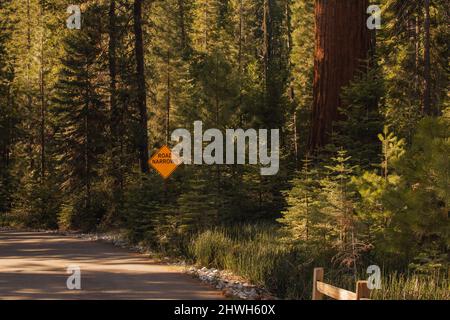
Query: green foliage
(392, 149)
(80, 213)
(339, 208)
(141, 207)
(322, 213)
(420, 203)
(9, 117)
(70, 128)
(7, 187)
(405, 206)
(37, 204)
(373, 187)
(79, 121)
(401, 46)
(5, 201)
(197, 206)
(362, 121)
(302, 219)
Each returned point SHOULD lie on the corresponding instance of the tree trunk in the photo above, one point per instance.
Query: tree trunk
(342, 43)
(87, 148)
(42, 96)
(266, 49)
(141, 87)
(115, 114)
(291, 89)
(427, 63)
(168, 98)
(182, 25)
(87, 140)
(30, 138)
(240, 64)
(417, 31)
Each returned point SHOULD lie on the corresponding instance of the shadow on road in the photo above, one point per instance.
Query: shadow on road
(33, 266)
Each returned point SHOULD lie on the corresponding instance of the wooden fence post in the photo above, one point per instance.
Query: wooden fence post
(362, 290)
(318, 276)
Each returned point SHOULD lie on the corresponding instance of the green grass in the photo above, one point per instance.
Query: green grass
(413, 287)
(257, 253)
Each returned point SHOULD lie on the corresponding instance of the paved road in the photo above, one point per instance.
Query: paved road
(33, 266)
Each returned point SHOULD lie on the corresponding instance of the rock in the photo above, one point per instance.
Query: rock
(252, 294)
(230, 285)
(242, 296)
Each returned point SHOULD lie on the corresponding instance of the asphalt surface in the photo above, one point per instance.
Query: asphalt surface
(33, 265)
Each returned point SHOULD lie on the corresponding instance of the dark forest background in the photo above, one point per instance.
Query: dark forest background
(363, 114)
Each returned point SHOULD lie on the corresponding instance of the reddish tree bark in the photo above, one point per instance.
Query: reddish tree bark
(341, 49)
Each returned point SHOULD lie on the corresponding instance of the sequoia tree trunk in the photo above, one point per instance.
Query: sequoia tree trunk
(341, 49)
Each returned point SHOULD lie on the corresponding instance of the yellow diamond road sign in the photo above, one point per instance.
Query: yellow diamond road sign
(164, 162)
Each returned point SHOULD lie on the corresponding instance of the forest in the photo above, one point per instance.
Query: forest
(363, 115)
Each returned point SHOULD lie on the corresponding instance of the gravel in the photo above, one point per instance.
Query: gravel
(231, 285)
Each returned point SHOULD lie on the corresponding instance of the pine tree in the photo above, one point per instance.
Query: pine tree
(172, 80)
(392, 150)
(303, 219)
(197, 207)
(9, 118)
(374, 187)
(80, 120)
(142, 209)
(301, 71)
(419, 226)
(123, 126)
(413, 52)
(275, 55)
(36, 201)
(338, 196)
(361, 118)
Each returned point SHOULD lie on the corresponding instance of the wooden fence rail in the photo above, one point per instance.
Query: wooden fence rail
(321, 288)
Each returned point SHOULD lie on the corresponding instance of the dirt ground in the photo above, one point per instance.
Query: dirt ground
(33, 265)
